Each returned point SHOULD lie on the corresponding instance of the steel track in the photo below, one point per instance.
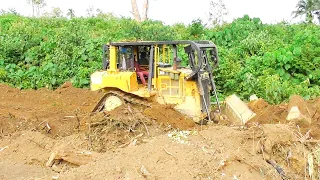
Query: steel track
(128, 98)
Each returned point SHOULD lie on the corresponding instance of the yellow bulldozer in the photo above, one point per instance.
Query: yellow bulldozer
(151, 71)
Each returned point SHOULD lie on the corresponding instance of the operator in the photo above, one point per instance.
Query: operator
(141, 72)
(143, 58)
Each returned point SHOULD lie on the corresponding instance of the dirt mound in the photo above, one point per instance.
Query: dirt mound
(154, 143)
(258, 105)
(215, 153)
(57, 113)
(267, 114)
(66, 110)
(273, 114)
(111, 130)
(206, 156)
(27, 147)
(298, 101)
(166, 115)
(14, 170)
(314, 109)
(284, 146)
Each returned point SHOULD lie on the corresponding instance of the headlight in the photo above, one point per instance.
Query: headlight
(96, 79)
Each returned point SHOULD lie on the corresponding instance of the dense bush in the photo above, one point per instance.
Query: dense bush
(272, 61)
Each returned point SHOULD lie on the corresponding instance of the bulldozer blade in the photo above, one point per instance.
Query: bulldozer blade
(238, 111)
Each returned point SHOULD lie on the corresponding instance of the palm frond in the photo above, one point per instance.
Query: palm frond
(306, 7)
(301, 8)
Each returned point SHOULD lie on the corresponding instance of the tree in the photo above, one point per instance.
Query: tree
(10, 11)
(196, 28)
(57, 12)
(2, 11)
(307, 8)
(217, 12)
(136, 13)
(101, 14)
(145, 10)
(71, 13)
(36, 6)
(99, 11)
(13, 11)
(90, 11)
(318, 15)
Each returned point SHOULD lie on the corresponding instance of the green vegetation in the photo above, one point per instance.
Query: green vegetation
(272, 61)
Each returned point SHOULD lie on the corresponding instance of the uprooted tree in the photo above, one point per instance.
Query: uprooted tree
(136, 13)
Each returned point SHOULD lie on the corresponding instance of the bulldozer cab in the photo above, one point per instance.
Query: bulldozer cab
(152, 69)
(125, 56)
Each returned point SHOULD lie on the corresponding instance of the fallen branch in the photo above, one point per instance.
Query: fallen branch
(3, 148)
(100, 123)
(74, 157)
(314, 114)
(169, 153)
(144, 171)
(145, 126)
(129, 142)
(310, 141)
(89, 137)
(49, 128)
(278, 168)
(242, 159)
(203, 136)
(78, 121)
(141, 121)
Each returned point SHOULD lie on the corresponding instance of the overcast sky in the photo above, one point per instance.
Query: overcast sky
(170, 11)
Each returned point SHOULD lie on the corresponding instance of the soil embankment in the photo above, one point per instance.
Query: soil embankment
(53, 135)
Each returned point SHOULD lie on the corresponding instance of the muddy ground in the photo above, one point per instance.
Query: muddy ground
(52, 135)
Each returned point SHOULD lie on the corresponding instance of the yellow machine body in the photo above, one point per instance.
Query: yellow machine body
(184, 94)
(169, 85)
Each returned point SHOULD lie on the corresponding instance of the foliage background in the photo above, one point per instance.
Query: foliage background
(272, 61)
